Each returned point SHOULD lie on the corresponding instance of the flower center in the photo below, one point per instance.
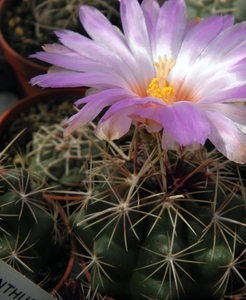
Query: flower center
(159, 87)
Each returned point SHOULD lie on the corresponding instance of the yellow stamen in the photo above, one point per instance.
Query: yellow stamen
(159, 86)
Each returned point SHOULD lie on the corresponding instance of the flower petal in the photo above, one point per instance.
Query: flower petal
(86, 47)
(102, 32)
(222, 53)
(66, 78)
(235, 112)
(194, 43)
(116, 125)
(170, 28)
(137, 38)
(89, 50)
(147, 117)
(58, 49)
(78, 64)
(186, 122)
(135, 100)
(151, 11)
(95, 104)
(227, 138)
(168, 142)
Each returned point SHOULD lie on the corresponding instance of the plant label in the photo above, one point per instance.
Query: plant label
(14, 285)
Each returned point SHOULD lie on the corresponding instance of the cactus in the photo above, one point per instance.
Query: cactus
(50, 15)
(206, 8)
(151, 223)
(62, 162)
(27, 24)
(31, 230)
(157, 225)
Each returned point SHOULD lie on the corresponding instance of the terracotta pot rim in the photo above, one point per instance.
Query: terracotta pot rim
(3, 5)
(5, 45)
(24, 68)
(11, 113)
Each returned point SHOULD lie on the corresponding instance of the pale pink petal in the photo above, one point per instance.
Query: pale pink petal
(137, 38)
(110, 95)
(230, 93)
(170, 28)
(116, 125)
(228, 21)
(235, 112)
(78, 64)
(222, 53)
(149, 111)
(89, 50)
(67, 78)
(135, 100)
(102, 32)
(168, 142)
(147, 117)
(193, 45)
(227, 138)
(186, 122)
(149, 124)
(95, 104)
(58, 49)
(151, 10)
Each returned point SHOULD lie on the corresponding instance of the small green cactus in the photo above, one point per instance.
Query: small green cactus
(206, 8)
(31, 230)
(28, 24)
(156, 225)
(56, 14)
(62, 162)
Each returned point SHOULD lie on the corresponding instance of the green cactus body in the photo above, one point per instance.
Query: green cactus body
(21, 256)
(206, 8)
(154, 276)
(62, 162)
(28, 237)
(161, 226)
(55, 14)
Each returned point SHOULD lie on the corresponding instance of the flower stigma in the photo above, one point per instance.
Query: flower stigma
(159, 86)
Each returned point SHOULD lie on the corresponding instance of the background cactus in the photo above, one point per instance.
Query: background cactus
(62, 162)
(28, 24)
(32, 232)
(56, 14)
(156, 225)
(206, 8)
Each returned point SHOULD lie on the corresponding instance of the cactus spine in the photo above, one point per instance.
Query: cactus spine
(31, 230)
(61, 162)
(150, 224)
(157, 225)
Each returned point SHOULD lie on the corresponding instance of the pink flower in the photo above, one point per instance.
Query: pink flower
(164, 73)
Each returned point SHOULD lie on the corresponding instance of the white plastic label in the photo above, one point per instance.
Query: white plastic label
(15, 286)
